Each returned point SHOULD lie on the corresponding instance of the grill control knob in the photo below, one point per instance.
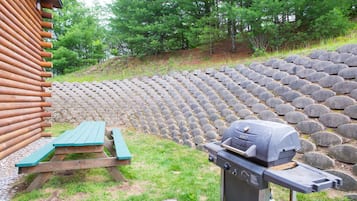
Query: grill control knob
(234, 172)
(210, 158)
(226, 166)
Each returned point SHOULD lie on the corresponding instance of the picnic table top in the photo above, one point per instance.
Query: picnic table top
(88, 133)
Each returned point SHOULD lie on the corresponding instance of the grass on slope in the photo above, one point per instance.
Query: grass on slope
(160, 170)
(119, 69)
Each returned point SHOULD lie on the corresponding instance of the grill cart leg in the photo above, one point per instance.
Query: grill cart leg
(234, 189)
(292, 195)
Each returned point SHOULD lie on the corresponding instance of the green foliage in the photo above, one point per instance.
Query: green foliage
(150, 27)
(64, 60)
(209, 32)
(79, 38)
(332, 24)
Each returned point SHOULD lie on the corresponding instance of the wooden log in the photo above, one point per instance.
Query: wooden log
(17, 60)
(18, 78)
(44, 134)
(9, 34)
(30, 15)
(9, 68)
(21, 79)
(46, 64)
(22, 92)
(15, 98)
(47, 25)
(46, 54)
(7, 22)
(47, 15)
(18, 146)
(17, 119)
(27, 26)
(9, 9)
(22, 131)
(47, 5)
(17, 112)
(44, 44)
(15, 47)
(46, 84)
(20, 138)
(74, 165)
(12, 61)
(37, 14)
(10, 106)
(13, 127)
(45, 34)
(19, 85)
(46, 74)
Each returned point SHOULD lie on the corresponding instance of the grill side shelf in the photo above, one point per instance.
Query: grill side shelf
(302, 178)
(213, 148)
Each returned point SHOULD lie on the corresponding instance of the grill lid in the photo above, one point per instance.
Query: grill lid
(264, 142)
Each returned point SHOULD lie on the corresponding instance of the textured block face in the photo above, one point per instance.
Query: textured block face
(314, 94)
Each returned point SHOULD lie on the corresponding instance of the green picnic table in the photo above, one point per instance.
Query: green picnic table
(88, 137)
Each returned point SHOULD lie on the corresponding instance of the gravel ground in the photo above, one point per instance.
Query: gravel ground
(9, 175)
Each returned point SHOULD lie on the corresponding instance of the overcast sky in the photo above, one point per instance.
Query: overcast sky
(90, 3)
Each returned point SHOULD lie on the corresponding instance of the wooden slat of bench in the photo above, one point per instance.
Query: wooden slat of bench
(86, 134)
(71, 137)
(121, 149)
(53, 166)
(40, 154)
(37, 156)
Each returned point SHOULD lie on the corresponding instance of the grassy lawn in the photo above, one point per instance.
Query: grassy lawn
(160, 170)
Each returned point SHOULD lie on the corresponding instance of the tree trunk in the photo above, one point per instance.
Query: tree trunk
(233, 36)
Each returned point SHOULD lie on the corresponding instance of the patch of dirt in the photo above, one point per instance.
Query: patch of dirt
(203, 198)
(135, 188)
(78, 196)
(20, 185)
(96, 178)
(54, 194)
(191, 57)
(332, 193)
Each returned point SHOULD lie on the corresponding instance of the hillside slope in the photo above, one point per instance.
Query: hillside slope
(316, 94)
(119, 68)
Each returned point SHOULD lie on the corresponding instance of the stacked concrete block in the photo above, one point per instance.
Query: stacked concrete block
(316, 94)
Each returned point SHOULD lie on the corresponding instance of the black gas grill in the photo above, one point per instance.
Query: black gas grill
(254, 152)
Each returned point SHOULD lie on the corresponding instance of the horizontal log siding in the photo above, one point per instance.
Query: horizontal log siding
(22, 73)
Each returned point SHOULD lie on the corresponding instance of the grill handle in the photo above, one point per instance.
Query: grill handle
(322, 184)
(250, 152)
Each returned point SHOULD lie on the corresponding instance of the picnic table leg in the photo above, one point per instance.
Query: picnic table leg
(108, 143)
(41, 178)
(113, 171)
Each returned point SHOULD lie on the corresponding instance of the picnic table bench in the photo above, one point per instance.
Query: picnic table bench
(88, 137)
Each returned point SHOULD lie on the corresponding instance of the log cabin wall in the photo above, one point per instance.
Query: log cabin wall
(24, 27)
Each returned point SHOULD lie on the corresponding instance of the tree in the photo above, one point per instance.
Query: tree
(77, 31)
(145, 27)
(64, 60)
